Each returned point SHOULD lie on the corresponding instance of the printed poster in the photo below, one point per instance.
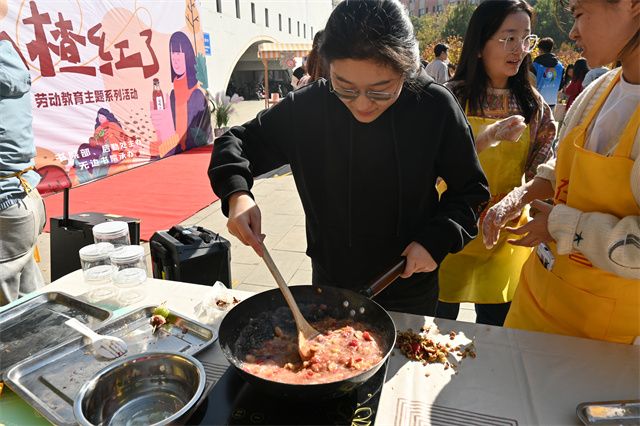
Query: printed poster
(115, 83)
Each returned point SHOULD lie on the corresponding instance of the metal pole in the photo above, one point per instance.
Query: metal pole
(65, 207)
(265, 62)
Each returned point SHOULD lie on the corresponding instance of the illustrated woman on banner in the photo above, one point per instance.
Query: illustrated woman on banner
(181, 119)
(93, 159)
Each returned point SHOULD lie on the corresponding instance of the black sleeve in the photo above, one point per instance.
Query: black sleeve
(467, 194)
(252, 149)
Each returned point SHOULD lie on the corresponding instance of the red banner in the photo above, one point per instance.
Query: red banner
(115, 83)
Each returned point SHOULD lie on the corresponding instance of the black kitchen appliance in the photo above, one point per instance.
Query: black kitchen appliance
(231, 400)
(191, 254)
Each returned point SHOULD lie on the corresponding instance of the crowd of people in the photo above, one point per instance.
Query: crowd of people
(478, 201)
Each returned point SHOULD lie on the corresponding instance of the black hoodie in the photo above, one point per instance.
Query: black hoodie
(368, 190)
(548, 60)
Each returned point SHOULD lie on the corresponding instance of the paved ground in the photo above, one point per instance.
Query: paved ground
(282, 222)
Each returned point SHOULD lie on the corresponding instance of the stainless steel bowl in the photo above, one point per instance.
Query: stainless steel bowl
(149, 389)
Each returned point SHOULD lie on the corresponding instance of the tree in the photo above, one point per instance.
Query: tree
(417, 22)
(428, 29)
(458, 17)
(455, 49)
(552, 21)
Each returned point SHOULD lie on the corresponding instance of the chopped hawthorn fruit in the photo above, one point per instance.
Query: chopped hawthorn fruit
(419, 347)
(342, 350)
(158, 320)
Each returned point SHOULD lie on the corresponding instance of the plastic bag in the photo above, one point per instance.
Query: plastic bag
(217, 300)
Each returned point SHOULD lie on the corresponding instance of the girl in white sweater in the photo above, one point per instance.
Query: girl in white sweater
(583, 279)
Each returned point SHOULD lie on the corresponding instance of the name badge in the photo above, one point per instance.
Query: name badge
(546, 256)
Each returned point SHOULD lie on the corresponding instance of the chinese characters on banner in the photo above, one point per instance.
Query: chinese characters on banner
(45, 100)
(115, 83)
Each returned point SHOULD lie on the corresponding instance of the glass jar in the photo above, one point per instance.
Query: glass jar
(113, 232)
(129, 272)
(97, 270)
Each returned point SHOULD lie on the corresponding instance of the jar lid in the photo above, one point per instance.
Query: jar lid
(96, 251)
(111, 229)
(125, 254)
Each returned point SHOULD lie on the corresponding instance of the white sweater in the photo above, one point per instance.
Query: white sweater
(605, 230)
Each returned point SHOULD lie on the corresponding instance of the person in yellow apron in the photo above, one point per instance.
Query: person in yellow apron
(498, 42)
(584, 277)
(22, 214)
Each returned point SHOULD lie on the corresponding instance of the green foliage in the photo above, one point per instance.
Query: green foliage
(553, 21)
(201, 71)
(428, 29)
(222, 114)
(417, 23)
(455, 49)
(434, 28)
(222, 106)
(458, 19)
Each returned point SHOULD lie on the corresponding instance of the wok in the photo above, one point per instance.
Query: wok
(253, 320)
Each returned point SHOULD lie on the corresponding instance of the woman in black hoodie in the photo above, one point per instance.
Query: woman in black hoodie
(378, 133)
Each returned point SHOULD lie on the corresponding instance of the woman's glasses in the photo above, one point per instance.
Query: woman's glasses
(511, 43)
(352, 95)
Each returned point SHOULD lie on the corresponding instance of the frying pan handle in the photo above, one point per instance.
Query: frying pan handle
(385, 279)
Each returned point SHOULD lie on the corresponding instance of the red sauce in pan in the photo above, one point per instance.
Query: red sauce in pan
(344, 349)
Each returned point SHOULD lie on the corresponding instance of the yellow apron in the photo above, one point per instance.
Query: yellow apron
(576, 298)
(476, 274)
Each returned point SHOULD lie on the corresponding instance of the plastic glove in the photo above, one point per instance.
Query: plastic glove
(510, 129)
(535, 231)
(508, 209)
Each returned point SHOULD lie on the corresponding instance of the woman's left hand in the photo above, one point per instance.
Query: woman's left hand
(535, 231)
(418, 260)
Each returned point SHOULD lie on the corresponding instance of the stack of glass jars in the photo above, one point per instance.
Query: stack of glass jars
(97, 270)
(113, 261)
(129, 273)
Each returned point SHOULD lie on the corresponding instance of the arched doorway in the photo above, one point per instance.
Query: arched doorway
(247, 77)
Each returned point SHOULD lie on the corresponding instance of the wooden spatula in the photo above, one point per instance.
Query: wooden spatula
(305, 331)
